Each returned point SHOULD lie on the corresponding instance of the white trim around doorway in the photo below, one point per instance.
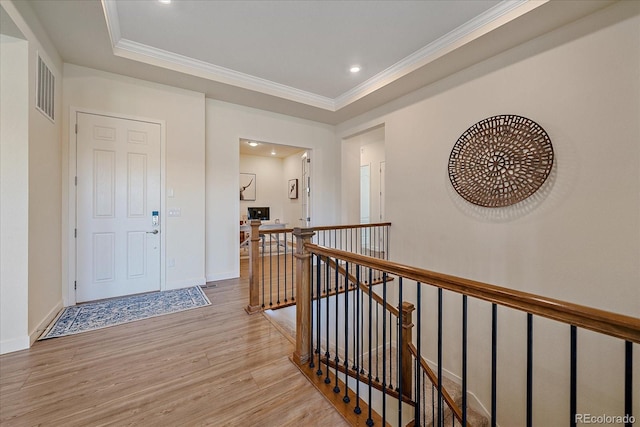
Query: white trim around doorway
(68, 291)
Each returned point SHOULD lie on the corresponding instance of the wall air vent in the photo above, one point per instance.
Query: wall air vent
(45, 89)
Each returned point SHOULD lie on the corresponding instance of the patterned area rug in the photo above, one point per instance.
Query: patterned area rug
(116, 311)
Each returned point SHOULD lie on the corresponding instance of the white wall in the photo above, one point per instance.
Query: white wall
(183, 115)
(272, 176)
(226, 124)
(269, 184)
(42, 176)
(366, 148)
(14, 194)
(372, 154)
(581, 243)
(292, 211)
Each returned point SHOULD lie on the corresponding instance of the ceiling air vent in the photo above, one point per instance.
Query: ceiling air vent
(45, 85)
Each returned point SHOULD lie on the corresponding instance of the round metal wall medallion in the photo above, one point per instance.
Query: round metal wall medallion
(500, 161)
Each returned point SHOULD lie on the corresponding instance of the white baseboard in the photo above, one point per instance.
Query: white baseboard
(186, 283)
(222, 276)
(34, 335)
(15, 344)
(472, 399)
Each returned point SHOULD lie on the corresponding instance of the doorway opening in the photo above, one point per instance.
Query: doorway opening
(364, 176)
(275, 180)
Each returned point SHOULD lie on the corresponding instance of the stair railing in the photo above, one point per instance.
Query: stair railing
(327, 326)
(271, 257)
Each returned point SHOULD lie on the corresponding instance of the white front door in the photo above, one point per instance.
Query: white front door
(118, 193)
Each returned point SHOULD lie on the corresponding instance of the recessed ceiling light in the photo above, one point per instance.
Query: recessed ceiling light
(165, 1)
(253, 143)
(354, 69)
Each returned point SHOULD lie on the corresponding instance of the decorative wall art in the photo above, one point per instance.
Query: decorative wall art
(293, 188)
(247, 186)
(500, 161)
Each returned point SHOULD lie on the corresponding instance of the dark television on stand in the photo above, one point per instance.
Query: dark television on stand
(258, 213)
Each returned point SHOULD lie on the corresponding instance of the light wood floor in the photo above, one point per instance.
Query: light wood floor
(214, 365)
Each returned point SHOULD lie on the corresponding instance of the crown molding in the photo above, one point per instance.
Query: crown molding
(133, 50)
(140, 52)
(113, 23)
(480, 25)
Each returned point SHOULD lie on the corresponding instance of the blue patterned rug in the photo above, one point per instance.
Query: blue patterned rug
(116, 311)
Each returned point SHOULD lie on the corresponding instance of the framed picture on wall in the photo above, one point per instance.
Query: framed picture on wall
(247, 186)
(293, 188)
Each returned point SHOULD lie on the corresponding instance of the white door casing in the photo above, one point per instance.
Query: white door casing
(118, 188)
(305, 220)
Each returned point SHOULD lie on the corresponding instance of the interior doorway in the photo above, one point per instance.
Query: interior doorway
(364, 176)
(282, 178)
(118, 198)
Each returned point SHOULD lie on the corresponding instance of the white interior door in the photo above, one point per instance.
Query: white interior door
(118, 193)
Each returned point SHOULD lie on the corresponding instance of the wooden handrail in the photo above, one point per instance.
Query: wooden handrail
(327, 227)
(365, 288)
(605, 322)
(434, 380)
(342, 227)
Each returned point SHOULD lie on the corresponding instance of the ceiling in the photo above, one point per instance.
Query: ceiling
(266, 149)
(293, 57)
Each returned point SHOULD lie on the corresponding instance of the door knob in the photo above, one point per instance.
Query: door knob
(153, 232)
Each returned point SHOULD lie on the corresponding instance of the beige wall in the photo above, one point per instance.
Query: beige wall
(580, 243)
(226, 124)
(14, 194)
(292, 211)
(42, 176)
(272, 175)
(182, 113)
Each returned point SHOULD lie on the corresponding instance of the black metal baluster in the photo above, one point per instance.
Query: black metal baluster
(314, 319)
(377, 344)
(355, 328)
(390, 351)
(419, 350)
(326, 273)
(346, 398)
(400, 382)
(369, 419)
(262, 262)
(286, 245)
(278, 266)
(336, 389)
(424, 396)
(464, 360)
(293, 276)
(384, 347)
(628, 380)
(440, 409)
(270, 271)
(573, 376)
(318, 313)
(529, 370)
(494, 363)
(358, 326)
(327, 277)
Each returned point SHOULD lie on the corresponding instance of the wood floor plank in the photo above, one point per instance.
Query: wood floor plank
(213, 365)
